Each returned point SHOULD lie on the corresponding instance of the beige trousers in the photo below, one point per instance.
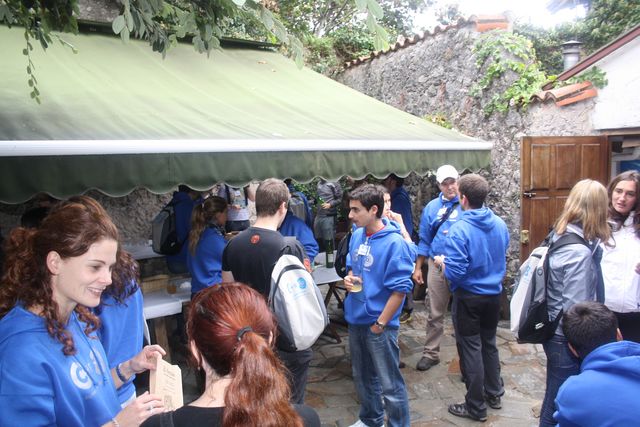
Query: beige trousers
(436, 302)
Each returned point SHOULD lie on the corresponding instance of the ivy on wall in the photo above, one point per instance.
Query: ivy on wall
(498, 52)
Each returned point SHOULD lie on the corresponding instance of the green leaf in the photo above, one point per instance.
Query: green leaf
(267, 18)
(240, 2)
(371, 22)
(129, 19)
(381, 41)
(124, 35)
(361, 5)
(118, 24)
(375, 9)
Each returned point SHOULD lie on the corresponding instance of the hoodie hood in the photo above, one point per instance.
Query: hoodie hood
(20, 320)
(482, 218)
(622, 357)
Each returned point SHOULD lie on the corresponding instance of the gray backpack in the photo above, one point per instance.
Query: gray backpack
(297, 304)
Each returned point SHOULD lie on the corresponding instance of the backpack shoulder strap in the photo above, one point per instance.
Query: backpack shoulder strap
(564, 240)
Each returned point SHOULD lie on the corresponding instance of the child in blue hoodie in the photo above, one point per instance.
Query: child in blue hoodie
(379, 256)
(474, 263)
(53, 368)
(605, 393)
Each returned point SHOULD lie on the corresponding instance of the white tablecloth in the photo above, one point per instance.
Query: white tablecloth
(141, 251)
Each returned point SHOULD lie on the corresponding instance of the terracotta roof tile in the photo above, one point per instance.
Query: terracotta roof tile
(567, 94)
(482, 23)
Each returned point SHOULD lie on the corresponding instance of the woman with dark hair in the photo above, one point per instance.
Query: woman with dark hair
(574, 276)
(231, 334)
(52, 366)
(122, 321)
(206, 243)
(621, 258)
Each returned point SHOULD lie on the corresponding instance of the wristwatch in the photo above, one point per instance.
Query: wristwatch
(380, 325)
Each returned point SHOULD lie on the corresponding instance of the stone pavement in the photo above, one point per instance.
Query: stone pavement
(331, 392)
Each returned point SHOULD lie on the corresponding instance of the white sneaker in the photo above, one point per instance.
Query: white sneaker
(359, 423)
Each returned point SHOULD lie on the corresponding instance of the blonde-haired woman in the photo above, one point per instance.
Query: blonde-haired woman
(574, 276)
(206, 243)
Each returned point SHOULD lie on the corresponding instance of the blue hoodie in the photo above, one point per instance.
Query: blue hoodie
(429, 245)
(385, 270)
(40, 386)
(401, 203)
(121, 331)
(206, 265)
(475, 251)
(606, 391)
(292, 226)
(184, 208)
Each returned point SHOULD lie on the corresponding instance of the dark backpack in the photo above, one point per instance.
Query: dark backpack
(340, 260)
(534, 324)
(164, 235)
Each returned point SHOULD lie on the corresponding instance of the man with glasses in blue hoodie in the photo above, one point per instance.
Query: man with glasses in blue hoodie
(379, 267)
(474, 263)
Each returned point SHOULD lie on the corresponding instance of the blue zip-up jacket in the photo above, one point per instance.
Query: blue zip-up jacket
(205, 265)
(184, 208)
(401, 203)
(40, 386)
(606, 391)
(475, 251)
(429, 245)
(121, 331)
(386, 269)
(293, 226)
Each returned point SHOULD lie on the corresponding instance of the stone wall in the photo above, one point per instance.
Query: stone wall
(132, 214)
(434, 76)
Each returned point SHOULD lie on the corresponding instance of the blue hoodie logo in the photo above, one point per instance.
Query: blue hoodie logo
(79, 376)
(368, 261)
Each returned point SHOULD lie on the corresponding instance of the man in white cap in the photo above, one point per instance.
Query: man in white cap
(437, 218)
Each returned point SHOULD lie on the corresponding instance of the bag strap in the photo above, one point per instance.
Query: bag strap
(564, 240)
(446, 216)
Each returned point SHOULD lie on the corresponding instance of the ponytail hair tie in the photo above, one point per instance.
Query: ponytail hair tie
(243, 331)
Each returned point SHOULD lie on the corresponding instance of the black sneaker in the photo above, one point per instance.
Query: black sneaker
(493, 401)
(425, 363)
(402, 365)
(460, 410)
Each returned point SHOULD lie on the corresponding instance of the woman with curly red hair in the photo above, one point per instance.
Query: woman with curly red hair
(231, 334)
(53, 368)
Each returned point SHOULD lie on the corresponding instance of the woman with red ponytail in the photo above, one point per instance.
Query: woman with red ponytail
(231, 334)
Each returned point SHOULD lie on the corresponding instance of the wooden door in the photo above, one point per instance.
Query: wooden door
(550, 166)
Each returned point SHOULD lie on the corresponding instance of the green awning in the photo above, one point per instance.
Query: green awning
(117, 116)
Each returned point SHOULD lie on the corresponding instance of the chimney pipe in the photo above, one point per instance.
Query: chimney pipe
(571, 53)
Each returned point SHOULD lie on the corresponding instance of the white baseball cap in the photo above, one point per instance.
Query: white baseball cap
(446, 171)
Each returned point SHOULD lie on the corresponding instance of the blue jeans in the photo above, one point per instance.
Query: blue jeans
(561, 364)
(374, 362)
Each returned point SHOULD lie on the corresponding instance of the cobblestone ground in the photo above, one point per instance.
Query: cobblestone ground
(331, 392)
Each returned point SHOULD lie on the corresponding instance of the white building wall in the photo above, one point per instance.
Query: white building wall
(618, 104)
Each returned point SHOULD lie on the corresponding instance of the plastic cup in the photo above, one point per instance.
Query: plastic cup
(356, 284)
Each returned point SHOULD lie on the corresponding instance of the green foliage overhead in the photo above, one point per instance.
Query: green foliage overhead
(163, 22)
(605, 21)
